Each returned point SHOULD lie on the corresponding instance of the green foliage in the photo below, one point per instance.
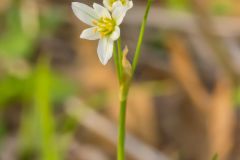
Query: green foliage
(51, 19)
(38, 124)
(15, 45)
(236, 96)
(178, 4)
(38, 90)
(43, 112)
(222, 7)
(14, 42)
(11, 87)
(14, 87)
(219, 7)
(215, 157)
(61, 88)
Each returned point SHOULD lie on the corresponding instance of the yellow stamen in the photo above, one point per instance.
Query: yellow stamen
(105, 26)
(122, 1)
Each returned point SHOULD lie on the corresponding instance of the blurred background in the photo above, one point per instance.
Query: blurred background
(57, 102)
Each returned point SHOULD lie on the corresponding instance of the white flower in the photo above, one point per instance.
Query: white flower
(104, 26)
(111, 4)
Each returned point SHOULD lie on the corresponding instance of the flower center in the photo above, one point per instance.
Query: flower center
(105, 26)
(122, 1)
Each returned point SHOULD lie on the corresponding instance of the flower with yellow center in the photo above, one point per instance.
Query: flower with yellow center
(111, 4)
(104, 26)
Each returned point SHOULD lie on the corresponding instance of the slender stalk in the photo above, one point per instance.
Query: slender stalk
(121, 130)
(140, 39)
(125, 85)
(119, 46)
(116, 60)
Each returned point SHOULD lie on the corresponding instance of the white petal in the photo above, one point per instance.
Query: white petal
(107, 4)
(130, 4)
(105, 50)
(116, 33)
(84, 13)
(101, 11)
(90, 34)
(117, 4)
(118, 14)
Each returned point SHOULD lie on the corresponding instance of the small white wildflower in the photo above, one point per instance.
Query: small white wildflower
(105, 26)
(111, 4)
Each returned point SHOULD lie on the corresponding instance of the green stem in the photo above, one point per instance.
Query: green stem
(140, 39)
(124, 86)
(116, 60)
(121, 130)
(119, 46)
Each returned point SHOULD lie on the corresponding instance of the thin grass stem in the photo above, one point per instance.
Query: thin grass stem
(116, 60)
(141, 35)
